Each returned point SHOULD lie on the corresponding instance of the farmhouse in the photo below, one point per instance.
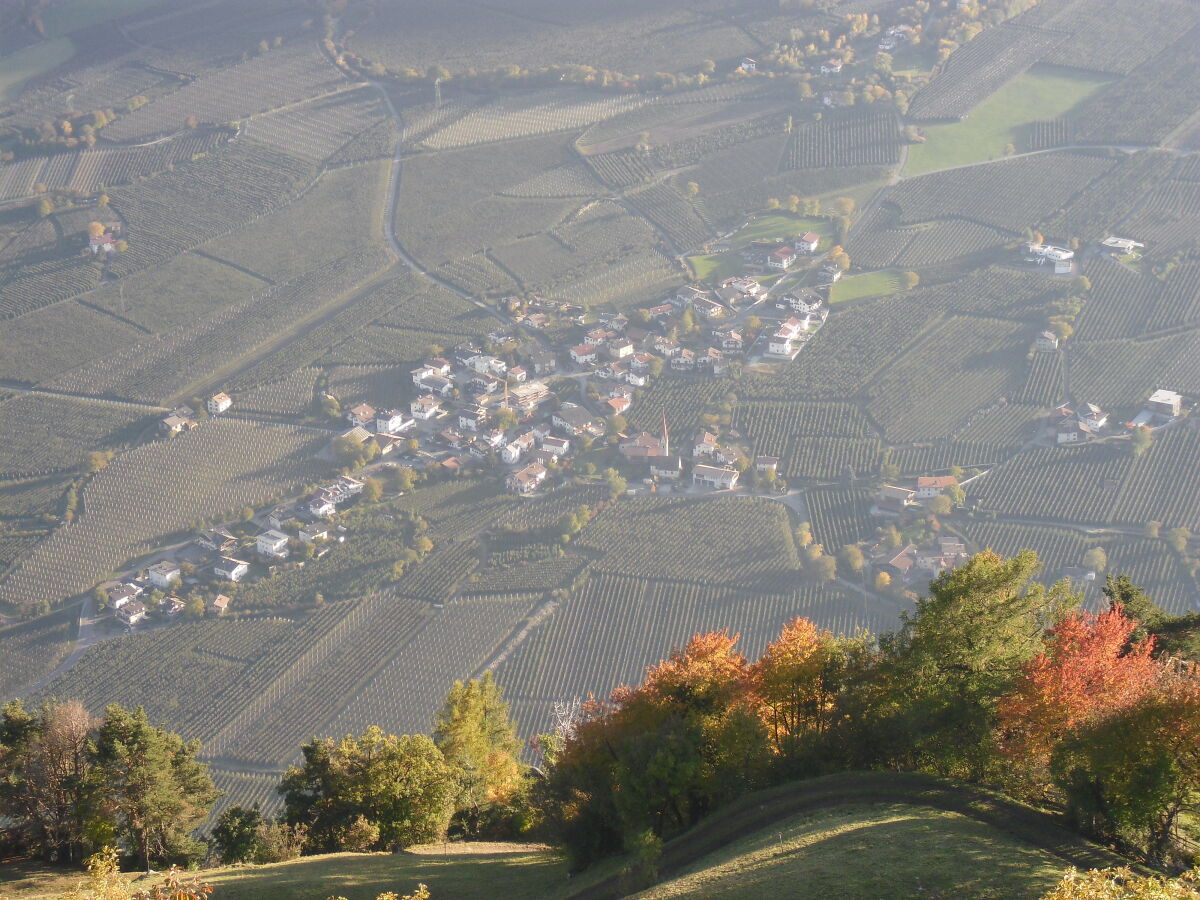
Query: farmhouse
(1120, 244)
(556, 446)
(131, 613)
(932, 485)
(425, 408)
(218, 403)
(902, 564)
(803, 301)
(833, 67)
(890, 498)
(105, 242)
(229, 569)
(319, 504)
(272, 544)
(518, 374)
(310, 534)
(765, 464)
(1046, 342)
(122, 594)
(619, 348)
(748, 65)
(170, 607)
(217, 605)
(528, 479)
(583, 354)
(518, 447)
(808, 242)
(722, 478)
(544, 362)
(361, 415)
(684, 360)
(175, 424)
(164, 574)
(782, 259)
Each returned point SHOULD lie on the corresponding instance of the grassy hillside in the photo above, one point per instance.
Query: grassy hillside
(871, 850)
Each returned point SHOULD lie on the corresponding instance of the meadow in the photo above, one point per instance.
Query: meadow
(1041, 93)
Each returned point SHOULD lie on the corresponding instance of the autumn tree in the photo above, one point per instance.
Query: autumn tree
(1130, 774)
(1088, 669)
(1125, 884)
(1140, 440)
(478, 739)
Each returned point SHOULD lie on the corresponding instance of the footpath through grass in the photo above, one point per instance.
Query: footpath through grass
(871, 850)
(1044, 92)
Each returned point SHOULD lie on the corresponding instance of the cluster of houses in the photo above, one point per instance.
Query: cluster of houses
(1081, 422)
(912, 564)
(1060, 259)
(132, 600)
(183, 418)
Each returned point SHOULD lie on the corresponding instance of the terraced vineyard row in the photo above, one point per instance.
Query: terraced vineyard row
(858, 140)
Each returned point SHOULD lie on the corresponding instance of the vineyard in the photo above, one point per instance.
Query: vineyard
(32, 650)
(1143, 108)
(160, 370)
(964, 365)
(974, 70)
(1044, 381)
(179, 210)
(38, 285)
(620, 169)
(171, 663)
(681, 399)
(667, 209)
(1101, 483)
(1118, 36)
(853, 140)
(572, 180)
(840, 515)
(1020, 192)
(692, 540)
(406, 693)
(1113, 196)
(821, 441)
(213, 471)
(527, 115)
(1124, 373)
(318, 130)
(32, 497)
(265, 82)
(925, 244)
(46, 434)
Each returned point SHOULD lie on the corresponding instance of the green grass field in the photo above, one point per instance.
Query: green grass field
(460, 871)
(778, 224)
(870, 850)
(29, 62)
(715, 266)
(869, 284)
(1044, 92)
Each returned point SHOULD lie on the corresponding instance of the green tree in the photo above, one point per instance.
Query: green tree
(479, 741)
(943, 671)
(372, 490)
(852, 557)
(156, 790)
(1140, 440)
(401, 784)
(909, 280)
(235, 836)
(1177, 539)
(1096, 559)
(616, 483)
(45, 207)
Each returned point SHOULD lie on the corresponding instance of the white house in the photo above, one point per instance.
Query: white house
(164, 574)
(218, 403)
(273, 544)
(556, 445)
(131, 613)
(1046, 342)
(808, 242)
(782, 258)
(392, 421)
(717, 477)
(425, 408)
(929, 486)
(748, 65)
(230, 569)
(572, 418)
(527, 479)
(583, 354)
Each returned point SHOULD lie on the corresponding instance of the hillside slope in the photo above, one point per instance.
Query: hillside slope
(868, 835)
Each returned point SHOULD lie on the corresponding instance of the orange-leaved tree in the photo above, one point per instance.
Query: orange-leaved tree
(1089, 669)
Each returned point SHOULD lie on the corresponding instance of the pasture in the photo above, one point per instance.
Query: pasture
(19, 67)
(1041, 93)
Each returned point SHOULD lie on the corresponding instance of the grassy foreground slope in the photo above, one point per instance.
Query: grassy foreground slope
(871, 850)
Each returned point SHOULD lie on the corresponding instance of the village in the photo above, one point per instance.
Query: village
(536, 411)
